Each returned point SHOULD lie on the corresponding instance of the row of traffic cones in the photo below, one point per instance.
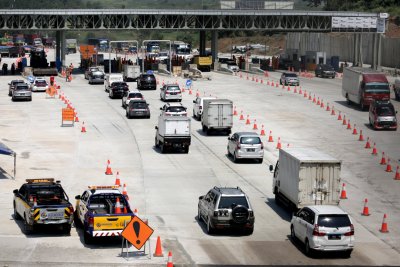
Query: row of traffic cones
(158, 253)
(66, 101)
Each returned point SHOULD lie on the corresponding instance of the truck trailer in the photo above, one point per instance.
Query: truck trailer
(173, 132)
(217, 115)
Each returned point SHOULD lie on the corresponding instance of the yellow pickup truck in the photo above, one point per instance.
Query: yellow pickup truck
(102, 211)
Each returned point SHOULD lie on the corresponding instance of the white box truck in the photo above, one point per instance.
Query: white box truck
(217, 115)
(306, 176)
(131, 72)
(173, 132)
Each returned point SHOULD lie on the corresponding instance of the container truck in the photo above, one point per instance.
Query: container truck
(217, 115)
(173, 132)
(71, 45)
(362, 86)
(306, 176)
(131, 72)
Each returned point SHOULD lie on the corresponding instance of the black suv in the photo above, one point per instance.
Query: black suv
(224, 208)
(146, 81)
(325, 70)
(118, 89)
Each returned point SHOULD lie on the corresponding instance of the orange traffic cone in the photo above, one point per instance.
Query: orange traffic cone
(255, 127)
(124, 192)
(247, 120)
(365, 209)
(158, 252)
(305, 93)
(288, 88)
(309, 96)
(276, 85)
(383, 160)
(241, 115)
(234, 111)
(190, 91)
(388, 166)
(348, 125)
(108, 169)
(300, 91)
(117, 180)
(343, 194)
(322, 103)
(183, 89)
(83, 130)
(374, 150)
(169, 263)
(327, 107)
(333, 110)
(197, 93)
(339, 116)
(295, 90)
(125, 210)
(278, 145)
(76, 117)
(367, 145)
(318, 102)
(272, 84)
(397, 175)
(344, 120)
(314, 100)
(117, 207)
(270, 139)
(355, 130)
(384, 227)
(262, 130)
(361, 138)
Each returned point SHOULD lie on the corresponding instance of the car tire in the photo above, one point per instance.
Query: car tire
(292, 233)
(66, 229)
(110, 94)
(198, 215)
(162, 148)
(156, 142)
(249, 231)
(77, 222)
(9, 94)
(28, 229)
(348, 100)
(227, 152)
(30, 99)
(17, 217)
(204, 128)
(308, 250)
(87, 238)
(210, 229)
(260, 161)
(12, 99)
(186, 149)
(347, 254)
(235, 159)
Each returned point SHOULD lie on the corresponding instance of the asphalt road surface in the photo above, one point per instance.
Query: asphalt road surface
(164, 188)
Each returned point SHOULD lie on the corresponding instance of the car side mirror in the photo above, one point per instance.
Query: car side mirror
(201, 197)
(77, 197)
(15, 191)
(194, 101)
(271, 168)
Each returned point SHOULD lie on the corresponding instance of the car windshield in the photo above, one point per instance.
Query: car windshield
(333, 220)
(231, 202)
(119, 84)
(139, 105)
(377, 88)
(176, 109)
(291, 75)
(250, 140)
(23, 87)
(41, 83)
(16, 82)
(385, 111)
(135, 95)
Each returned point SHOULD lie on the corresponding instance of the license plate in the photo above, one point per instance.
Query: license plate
(334, 237)
(251, 150)
(55, 215)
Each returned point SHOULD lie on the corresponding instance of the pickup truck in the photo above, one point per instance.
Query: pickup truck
(42, 201)
(98, 213)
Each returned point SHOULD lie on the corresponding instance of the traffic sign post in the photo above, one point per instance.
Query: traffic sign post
(136, 233)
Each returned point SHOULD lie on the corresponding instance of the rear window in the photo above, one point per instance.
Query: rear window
(138, 105)
(148, 77)
(377, 88)
(46, 193)
(119, 84)
(135, 95)
(334, 220)
(231, 202)
(176, 109)
(41, 83)
(174, 88)
(22, 87)
(385, 111)
(250, 140)
(291, 75)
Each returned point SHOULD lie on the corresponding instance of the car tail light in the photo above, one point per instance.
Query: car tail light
(238, 145)
(351, 233)
(91, 222)
(128, 98)
(262, 145)
(167, 93)
(316, 231)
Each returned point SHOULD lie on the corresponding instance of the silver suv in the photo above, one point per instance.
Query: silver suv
(289, 78)
(245, 145)
(170, 92)
(21, 91)
(226, 208)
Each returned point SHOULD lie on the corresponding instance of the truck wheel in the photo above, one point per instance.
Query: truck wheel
(292, 233)
(186, 149)
(66, 229)
(28, 229)
(210, 229)
(235, 159)
(260, 161)
(87, 238)
(348, 100)
(162, 148)
(204, 128)
(155, 142)
(16, 215)
(77, 222)
(308, 250)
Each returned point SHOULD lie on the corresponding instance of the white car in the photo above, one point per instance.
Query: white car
(170, 92)
(245, 145)
(173, 109)
(39, 85)
(131, 95)
(198, 106)
(323, 228)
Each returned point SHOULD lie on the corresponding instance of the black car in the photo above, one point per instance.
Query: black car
(118, 89)
(138, 108)
(325, 70)
(146, 81)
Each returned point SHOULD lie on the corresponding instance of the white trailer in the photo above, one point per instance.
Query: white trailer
(305, 176)
(173, 132)
(131, 72)
(217, 115)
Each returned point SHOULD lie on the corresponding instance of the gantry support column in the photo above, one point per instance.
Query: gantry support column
(58, 50)
(63, 48)
(214, 46)
(202, 47)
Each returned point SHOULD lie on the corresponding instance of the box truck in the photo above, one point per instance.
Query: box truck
(362, 85)
(173, 132)
(131, 72)
(306, 176)
(217, 115)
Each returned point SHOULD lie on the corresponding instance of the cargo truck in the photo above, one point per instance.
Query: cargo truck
(217, 115)
(362, 86)
(173, 132)
(71, 45)
(306, 176)
(131, 72)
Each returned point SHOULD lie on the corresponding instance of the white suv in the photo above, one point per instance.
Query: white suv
(198, 106)
(173, 109)
(170, 92)
(323, 228)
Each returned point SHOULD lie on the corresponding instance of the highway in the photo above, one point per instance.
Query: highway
(164, 188)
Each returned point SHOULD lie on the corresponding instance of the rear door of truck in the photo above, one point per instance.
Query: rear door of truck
(177, 126)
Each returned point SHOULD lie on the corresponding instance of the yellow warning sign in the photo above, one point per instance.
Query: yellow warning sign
(137, 232)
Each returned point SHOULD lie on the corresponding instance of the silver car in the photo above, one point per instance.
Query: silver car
(289, 78)
(96, 77)
(171, 92)
(245, 145)
(21, 91)
(323, 228)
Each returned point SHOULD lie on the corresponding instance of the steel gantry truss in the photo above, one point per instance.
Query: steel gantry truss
(126, 19)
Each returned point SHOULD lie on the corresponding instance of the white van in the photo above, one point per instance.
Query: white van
(198, 106)
(110, 78)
